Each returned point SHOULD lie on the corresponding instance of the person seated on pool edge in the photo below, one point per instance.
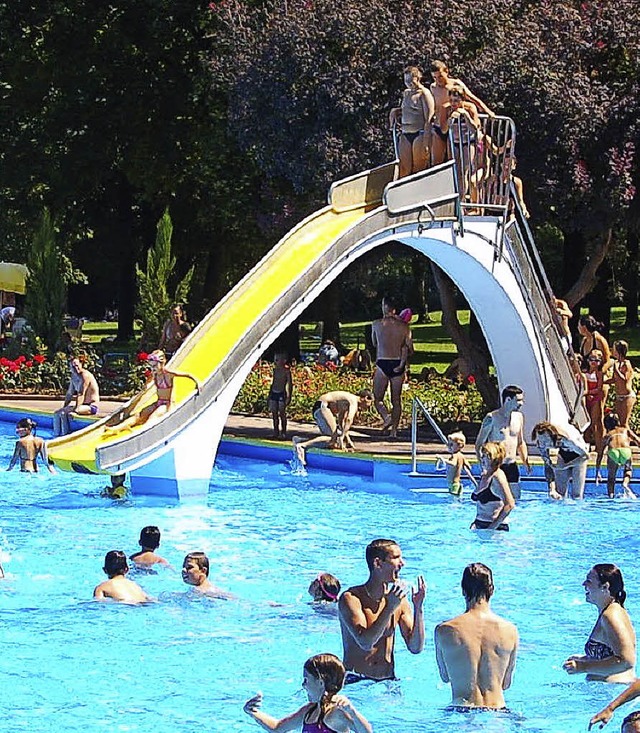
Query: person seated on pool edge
(195, 572)
(149, 542)
(476, 651)
(370, 613)
(118, 587)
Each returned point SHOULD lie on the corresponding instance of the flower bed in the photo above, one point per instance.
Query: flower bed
(446, 401)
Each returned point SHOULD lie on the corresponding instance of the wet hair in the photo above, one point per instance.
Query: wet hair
(477, 582)
(149, 537)
(495, 452)
(611, 421)
(325, 587)
(632, 718)
(115, 563)
(200, 559)
(28, 424)
(548, 428)
(610, 573)
(590, 323)
(510, 391)
(438, 65)
(378, 549)
(414, 71)
(458, 91)
(622, 348)
(457, 437)
(330, 670)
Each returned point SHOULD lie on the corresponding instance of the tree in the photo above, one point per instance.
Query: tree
(46, 285)
(153, 294)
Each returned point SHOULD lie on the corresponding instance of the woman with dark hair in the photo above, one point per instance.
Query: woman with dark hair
(588, 328)
(571, 463)
(610, 651)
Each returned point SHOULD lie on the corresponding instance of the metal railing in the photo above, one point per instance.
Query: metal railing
(415, 405)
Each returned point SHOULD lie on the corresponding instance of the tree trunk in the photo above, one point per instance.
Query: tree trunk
(126, 255)
(419, 273)
(468, 350)
(587, 279)
(631, 281)
(330, 309)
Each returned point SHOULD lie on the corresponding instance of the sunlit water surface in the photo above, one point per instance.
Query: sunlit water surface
(184, 664)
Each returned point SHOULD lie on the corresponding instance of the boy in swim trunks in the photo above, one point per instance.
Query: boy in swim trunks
(195, 572)
(280, 395)
(28, 447)
(455, 463)
(617, 443)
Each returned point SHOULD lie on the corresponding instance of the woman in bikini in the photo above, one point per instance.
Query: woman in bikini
(326, 711)
(415, 113)
(610, 651)
(493, 497)
(163, 379)
(594, 398)
(571, 463)
(622, 379)
(28, 447)
(592, 338)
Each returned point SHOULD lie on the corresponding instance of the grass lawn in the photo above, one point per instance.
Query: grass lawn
(433, 347)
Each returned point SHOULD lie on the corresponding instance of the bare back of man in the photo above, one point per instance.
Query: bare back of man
(476, 651)
(476, 654)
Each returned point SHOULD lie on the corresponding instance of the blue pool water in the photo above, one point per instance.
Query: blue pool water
(184, 665)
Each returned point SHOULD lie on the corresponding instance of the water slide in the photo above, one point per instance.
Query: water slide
(218, 346)
(485, 255)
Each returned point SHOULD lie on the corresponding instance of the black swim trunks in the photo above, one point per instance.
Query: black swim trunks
(481, 524)
(388, 367)
(512, 472)
(352, 677)
(277, 396)
(442, 135)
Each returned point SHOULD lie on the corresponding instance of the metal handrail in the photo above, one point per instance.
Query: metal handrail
(417, 402)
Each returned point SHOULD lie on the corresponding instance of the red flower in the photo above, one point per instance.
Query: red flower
(142, 356)
(471, 379)
(21, 359)
(39, 358)
(4, 361)
(29, 363)
(13, 367)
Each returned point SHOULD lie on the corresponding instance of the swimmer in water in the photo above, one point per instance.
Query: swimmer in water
(28, 447)
(327, 710)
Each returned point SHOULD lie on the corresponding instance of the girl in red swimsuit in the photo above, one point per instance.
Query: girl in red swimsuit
(594, 398)
(326, 711)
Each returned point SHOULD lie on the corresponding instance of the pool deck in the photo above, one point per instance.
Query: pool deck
(379, 458)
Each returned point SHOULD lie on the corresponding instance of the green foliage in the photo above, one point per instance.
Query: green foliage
(154, 300)
(46, 285)
(447, 401)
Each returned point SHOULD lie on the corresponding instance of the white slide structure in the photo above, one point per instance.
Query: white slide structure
(490, 257)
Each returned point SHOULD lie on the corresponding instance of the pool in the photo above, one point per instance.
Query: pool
(184, 665)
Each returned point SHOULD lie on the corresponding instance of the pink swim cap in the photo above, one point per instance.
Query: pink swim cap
(405, 315)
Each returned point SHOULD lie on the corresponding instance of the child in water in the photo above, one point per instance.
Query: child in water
(149, 542)
(455, 463)
(28, 447)
(617, 443)
(326, 711)
(163, 379)
(325, 588)
(280, 395)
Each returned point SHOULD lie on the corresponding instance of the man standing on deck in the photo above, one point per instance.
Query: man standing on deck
(506, 425)
(476, 651)
(370, 613)
(391, 338)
